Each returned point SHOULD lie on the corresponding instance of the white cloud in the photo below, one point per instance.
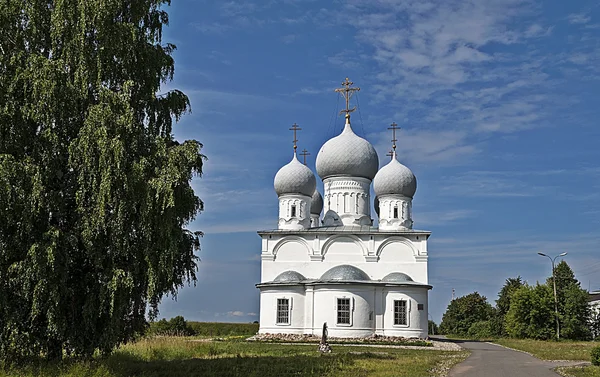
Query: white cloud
(579, 18)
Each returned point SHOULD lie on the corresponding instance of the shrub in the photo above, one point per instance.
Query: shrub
(595, 355)
(175, 326)
(481, 330)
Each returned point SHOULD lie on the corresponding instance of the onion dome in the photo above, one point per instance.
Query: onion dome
(345, 272)
(316, 204)
(397, 277)
(289, 277)
(295, 178)
(395, 178)
(347, 155)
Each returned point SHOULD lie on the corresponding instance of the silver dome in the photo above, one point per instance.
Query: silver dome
(345, 272)
(397, 277)
(289, 277)
(316, 205)
(395, 178)
(295, 178)
(347, 155)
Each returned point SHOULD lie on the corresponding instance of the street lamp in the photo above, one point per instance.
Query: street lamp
(555, 297)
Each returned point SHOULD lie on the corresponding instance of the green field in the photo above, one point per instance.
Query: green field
(222, 328)
(550, 350)
(189, 357)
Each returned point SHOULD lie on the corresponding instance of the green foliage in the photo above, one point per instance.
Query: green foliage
(481, 330)
(575, 314)
(463, 312)
(176, 326)
(531, 313)
(595, 355)
(574, 311)
(95, 192)
(511, 285)
(432, 328)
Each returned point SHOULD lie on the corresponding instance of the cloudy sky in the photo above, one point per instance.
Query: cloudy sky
(498, 101)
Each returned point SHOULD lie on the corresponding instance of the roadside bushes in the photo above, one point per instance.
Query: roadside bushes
(481, 330)
(595, 356)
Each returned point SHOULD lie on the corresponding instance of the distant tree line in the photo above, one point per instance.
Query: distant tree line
(525, 311)
(178, 326)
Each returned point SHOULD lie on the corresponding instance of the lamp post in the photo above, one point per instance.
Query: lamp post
(555, 296)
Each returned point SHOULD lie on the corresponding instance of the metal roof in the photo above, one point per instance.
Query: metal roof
(354, 229)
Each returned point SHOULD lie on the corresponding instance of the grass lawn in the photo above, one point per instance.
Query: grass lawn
(179, 357)
(550, 350)
(588, 371)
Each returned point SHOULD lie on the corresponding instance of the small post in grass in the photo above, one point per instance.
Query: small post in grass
(324, 347)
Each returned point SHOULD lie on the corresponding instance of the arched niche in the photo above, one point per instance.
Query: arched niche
(292, 249)
(397, 249)
(344, 248)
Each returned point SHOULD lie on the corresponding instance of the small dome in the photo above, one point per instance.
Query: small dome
(295, 178)
(316, 204)
(397, 277)
(347, 155)
(289, 277)
(376, 206)
(345, 272)
(395, 178)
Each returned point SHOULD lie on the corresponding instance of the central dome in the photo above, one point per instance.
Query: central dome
(347, 155)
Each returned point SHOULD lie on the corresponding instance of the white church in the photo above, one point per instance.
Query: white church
(326, 262)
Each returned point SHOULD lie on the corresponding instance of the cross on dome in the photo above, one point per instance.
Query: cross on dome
(304, 154)
(295, 128)
(393, 127)
(347, 92)
(391, 154)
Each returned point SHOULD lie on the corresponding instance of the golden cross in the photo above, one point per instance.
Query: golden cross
(394, 127)
(347, 92)
(304, 154)
(391, 154)
(295, 128)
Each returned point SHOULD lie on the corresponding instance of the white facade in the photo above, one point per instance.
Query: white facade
(337, 268)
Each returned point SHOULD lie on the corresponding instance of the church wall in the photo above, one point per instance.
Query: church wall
(362, 318)
(312, 255)
(268, 310)
(417, 319)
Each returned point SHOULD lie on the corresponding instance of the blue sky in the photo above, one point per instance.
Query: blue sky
(498, 101)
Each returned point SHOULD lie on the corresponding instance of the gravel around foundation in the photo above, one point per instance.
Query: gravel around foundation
(371, 341)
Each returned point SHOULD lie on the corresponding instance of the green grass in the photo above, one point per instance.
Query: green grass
(179, 357)
(551, 350)
(587, 371)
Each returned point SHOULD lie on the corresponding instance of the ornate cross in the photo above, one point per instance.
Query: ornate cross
(295, 128)
(391, 154)
(347, 92)
(394, 127)
(304, 154)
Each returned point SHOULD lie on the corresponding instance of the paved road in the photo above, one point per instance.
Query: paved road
(490, 360)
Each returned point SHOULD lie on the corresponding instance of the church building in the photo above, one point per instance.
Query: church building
(326, 262)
